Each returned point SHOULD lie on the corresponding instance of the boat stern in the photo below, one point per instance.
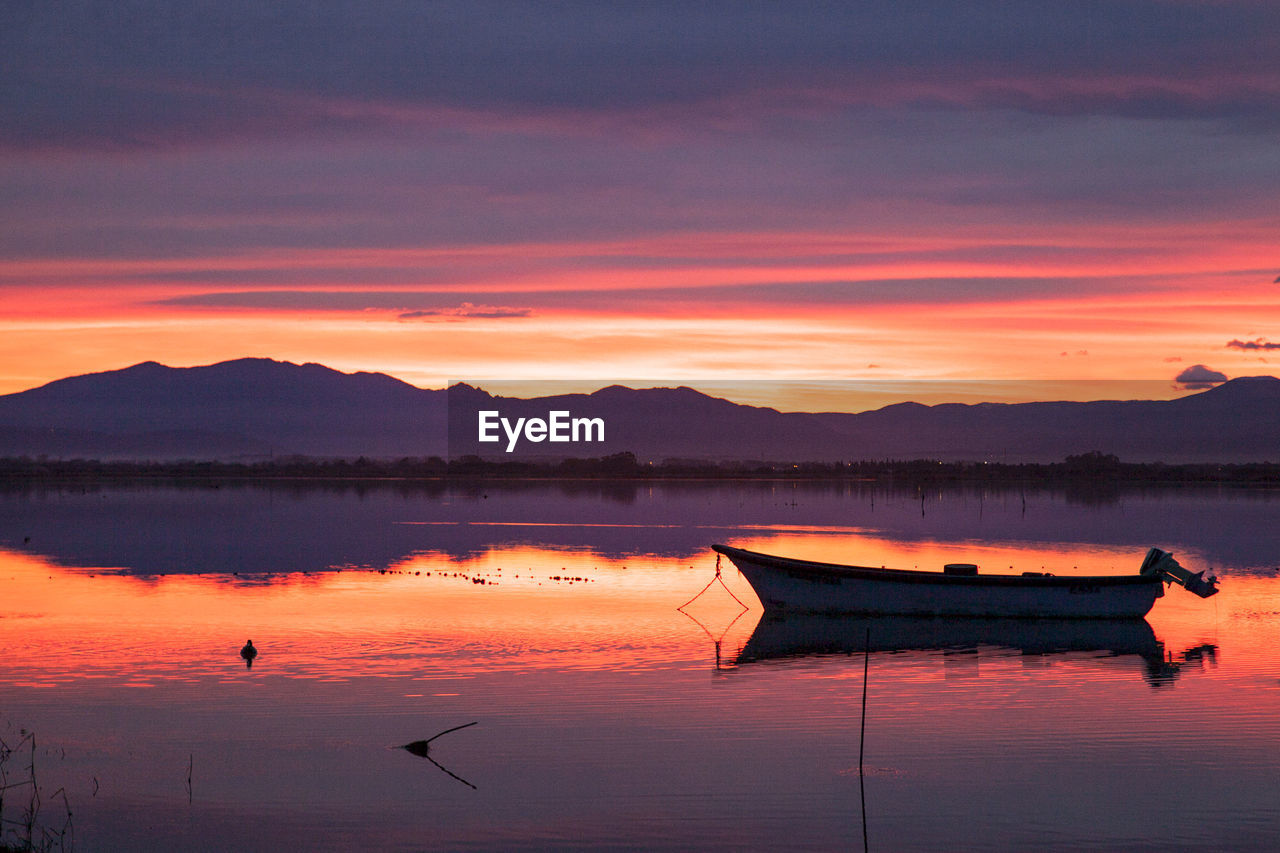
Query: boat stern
(1162, 564)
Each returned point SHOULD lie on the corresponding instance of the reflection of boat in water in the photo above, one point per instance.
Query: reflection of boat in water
(784, 635)
(781, 636)
(783, 583)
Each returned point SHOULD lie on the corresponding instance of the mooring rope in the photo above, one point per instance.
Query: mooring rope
(710, 584)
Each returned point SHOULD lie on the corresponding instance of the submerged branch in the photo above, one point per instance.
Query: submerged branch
(421, 747)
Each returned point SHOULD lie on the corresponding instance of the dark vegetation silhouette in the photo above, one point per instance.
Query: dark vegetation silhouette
(1093, 467)
(27, 827)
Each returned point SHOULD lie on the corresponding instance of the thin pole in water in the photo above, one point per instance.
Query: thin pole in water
(862, 737)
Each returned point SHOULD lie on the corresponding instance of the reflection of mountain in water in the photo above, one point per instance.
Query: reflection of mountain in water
(791, 636)
(288, 526)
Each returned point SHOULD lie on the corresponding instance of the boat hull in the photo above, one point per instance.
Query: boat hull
(782, 583)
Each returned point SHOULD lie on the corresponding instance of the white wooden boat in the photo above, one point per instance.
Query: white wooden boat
(783, 583)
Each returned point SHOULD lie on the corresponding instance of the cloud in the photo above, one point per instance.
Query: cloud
(468, 310)
(407, 305)
(154, 73)
(1198, 377)
(1257, 343)
(680, 288)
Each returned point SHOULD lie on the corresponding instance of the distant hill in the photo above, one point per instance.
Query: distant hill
(1235, 422)
(248, 408)
(1238, 421)
(257, 408)
(654, 423)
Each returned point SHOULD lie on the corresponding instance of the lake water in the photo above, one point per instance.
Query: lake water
(606, 718)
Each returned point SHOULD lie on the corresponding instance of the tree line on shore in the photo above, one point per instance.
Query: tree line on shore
(1088, 466)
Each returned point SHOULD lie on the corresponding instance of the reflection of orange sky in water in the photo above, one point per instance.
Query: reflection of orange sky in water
(426, 617)
(61, 623)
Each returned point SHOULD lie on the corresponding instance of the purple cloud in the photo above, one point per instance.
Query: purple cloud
(840, 292)
(1256, 344)
(155, 74)
(486, 123)
(468, 310)
(1198, 377)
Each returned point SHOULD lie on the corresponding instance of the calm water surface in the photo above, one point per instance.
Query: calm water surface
(606, 718)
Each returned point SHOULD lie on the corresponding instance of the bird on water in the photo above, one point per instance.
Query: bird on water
(248, 653)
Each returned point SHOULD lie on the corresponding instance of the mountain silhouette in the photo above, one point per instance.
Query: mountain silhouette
(256, 408)
(1237, 421)
(251, 407)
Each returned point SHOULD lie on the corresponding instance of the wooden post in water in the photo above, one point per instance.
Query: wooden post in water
(862, 736)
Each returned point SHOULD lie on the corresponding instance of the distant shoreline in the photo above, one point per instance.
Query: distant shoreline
(1088, 468)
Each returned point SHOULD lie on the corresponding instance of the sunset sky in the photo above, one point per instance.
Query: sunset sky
(678, 191)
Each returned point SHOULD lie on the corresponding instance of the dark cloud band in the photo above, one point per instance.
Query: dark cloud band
(151, 73)
(1257, 344)
(424, 303)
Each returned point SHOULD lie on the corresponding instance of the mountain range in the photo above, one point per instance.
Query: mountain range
(252, 409)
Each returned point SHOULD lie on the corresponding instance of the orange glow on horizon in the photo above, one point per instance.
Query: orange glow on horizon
(1170, 295)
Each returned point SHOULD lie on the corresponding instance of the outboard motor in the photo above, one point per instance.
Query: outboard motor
(1162, 563)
